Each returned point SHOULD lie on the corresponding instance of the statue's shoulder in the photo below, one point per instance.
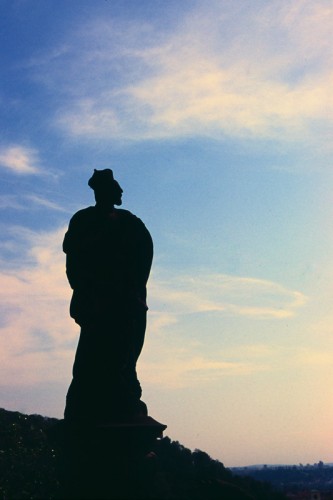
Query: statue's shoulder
(125, 214)
(83, 215)
(129, 217)
(80, 224)
(134, 225)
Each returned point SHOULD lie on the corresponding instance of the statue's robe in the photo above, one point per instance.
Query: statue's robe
(108, 260)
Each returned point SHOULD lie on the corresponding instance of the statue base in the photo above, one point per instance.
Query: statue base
(108, 460)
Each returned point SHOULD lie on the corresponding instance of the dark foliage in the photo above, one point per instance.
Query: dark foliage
(195, 475)
(27, 461)
(28, 467)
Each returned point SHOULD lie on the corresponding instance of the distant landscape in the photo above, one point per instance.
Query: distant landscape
(28, 468)
(294, 479)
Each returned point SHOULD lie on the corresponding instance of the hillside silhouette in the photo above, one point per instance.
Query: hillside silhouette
(29, 451)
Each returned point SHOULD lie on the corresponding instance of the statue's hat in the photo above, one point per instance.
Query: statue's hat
(100, 178)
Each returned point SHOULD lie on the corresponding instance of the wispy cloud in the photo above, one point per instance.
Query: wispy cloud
(37, 336)
(264, 78)
(20, 160)
(178, 371)
(35, 201)
(226, 294)
(11, 201)
(45, 203)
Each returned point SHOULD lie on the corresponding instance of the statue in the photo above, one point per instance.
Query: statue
(109, 253)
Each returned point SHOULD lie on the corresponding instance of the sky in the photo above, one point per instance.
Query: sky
(216, 118)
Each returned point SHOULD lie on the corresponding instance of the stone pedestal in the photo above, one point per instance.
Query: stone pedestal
(108, 460)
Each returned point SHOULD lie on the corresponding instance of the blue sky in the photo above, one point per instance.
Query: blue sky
(216, 117)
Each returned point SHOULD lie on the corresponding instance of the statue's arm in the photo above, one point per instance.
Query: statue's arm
(145, 252)
(74, 248)
(146, 255)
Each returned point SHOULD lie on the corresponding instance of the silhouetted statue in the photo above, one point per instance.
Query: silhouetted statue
(109, 255)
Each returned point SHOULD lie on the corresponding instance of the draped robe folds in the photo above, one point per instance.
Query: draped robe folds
(108, 261)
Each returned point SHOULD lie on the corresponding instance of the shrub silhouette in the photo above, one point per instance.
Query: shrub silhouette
(28, 467)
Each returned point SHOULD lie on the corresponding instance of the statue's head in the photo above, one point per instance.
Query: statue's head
(106, 188)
